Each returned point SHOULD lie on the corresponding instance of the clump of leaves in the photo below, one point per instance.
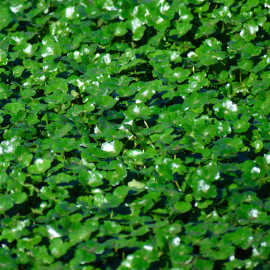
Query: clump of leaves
(134, 134)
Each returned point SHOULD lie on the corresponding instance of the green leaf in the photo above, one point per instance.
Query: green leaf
(40, 166)
(6, 16)
(112, 148)
(105, 102)
(227, 147)
(49, 47)
(6, 259)
(14, 107)
(3, 57)
(135, 184)
(18, 198)
(83, 255)
(203, 264)
(201, 181)
(91, 178)
(210, 52)
(58, 248)
(41, 255)
(216, 249)
(246, 65)
(181, 29)
(183, 207)
(81, 232)
(64, 145)
(5, 203)
(249, 30)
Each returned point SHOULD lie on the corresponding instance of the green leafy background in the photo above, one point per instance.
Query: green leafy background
(134, 134)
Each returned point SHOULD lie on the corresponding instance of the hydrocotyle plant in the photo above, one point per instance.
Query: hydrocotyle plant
(134, 134)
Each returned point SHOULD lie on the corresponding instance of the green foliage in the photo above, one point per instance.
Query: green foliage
(134, 134)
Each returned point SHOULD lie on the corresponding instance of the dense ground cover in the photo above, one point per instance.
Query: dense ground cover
(134, 134)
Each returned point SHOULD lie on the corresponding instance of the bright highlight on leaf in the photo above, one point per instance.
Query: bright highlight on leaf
(108, 147)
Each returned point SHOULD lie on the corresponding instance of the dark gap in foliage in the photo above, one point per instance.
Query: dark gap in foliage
(41, 132)
(114, 119)
(153, 120)
(149, 32)
(25, 75)
(196, 249)
(162, 263)
(19, 209)
(115, 258)
(113, 262)
(68, 255)
(16, 62)
(72, 153)
(196, 156)
(129, 145)
(79, 100)
(222, 34)
(5, 78)
(40, 33)
(221, 195)
(34, 39)
(122, 210)
(182, 154)
(38, 183)
(241, 157)
(23, 24)
(6, 117)
(243, 254)
(190, 216)
(64, 75)
(264, 192)
(218, 264)
(175, 100)
(217, 68)
(139, 124)
(157, 100)
(100, 50)
(133, 195)
(179, 178)
(227, 178)
(221, 206)
(4, 31)
(39, 94)
(122, 101)
(261, 36)
(127, 38)
(24, 266)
